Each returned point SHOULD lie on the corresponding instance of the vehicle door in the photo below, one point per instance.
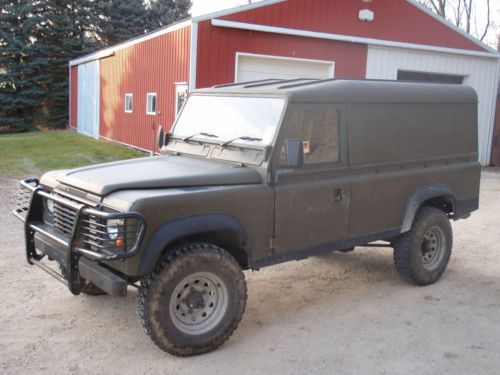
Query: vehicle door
(312, 200)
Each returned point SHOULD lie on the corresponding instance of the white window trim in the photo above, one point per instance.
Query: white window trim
(331, 64)
(129, 95)
(147, 97)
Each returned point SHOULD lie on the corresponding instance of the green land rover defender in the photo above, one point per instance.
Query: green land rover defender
(255, 174)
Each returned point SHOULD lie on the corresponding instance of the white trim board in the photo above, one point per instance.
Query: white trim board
(193, 56)
(331, 64)
(69, 97)
(347, 38)
(125, 144)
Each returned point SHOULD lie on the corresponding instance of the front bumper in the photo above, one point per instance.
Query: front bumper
(77, 245)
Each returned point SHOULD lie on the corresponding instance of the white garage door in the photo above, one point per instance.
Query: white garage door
(251, 67)
(88, 99)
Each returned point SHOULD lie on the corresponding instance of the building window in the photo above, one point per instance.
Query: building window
(151, 103)
(129, 98)
(406, 75)
(181, 91)
(318, 128)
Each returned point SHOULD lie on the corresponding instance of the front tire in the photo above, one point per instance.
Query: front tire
(422, 254)
(194, 300)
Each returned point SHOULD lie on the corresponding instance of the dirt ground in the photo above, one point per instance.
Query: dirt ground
(338, 313)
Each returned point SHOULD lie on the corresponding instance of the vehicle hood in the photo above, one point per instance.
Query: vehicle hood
(156, 172)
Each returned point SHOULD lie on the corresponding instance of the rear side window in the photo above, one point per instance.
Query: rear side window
(318, 129)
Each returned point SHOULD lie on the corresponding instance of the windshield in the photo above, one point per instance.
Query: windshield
(224, 118)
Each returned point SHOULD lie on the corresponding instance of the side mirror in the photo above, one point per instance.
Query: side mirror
(161, 137)
(294, 153)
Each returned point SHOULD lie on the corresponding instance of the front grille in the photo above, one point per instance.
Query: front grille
(23, 199)
(64, 218)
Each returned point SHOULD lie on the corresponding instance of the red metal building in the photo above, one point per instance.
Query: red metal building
(122, 93)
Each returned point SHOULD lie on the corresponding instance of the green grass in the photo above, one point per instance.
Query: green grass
(36, 153)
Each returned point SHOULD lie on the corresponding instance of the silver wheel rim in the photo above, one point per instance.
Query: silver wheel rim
(199, 303)
(432, 248)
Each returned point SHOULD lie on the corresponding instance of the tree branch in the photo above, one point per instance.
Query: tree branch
(488, 21)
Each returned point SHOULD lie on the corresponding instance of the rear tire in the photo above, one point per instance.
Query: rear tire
(194, 300)
(422, 254)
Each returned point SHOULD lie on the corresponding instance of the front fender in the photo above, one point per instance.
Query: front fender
(169, 232)
(420, 196)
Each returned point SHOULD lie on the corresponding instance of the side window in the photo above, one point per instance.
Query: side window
(318, 129)
(129, 99)
(151, 104)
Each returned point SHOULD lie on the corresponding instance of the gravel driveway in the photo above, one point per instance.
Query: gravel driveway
(338, 313)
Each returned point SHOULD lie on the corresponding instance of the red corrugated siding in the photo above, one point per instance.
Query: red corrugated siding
(395, 20)
(217, 49)
(73, 96)
(154, 65)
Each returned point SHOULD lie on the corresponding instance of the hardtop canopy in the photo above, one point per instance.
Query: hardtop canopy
(350, 91)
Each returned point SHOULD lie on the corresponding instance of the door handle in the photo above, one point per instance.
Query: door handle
(338, 195)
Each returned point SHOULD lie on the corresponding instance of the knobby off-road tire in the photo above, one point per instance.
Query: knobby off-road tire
(194, 299)
(422, 254)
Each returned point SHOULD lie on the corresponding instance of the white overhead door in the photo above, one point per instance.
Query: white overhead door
(251, 67)
(88, 99)
(478, 72)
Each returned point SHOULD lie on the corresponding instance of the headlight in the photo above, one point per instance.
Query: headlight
(50, 206)
(114, 226)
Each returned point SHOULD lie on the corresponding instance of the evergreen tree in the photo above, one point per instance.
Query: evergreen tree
(123, 20)
(164, 12)
(67, 30)
(39, 37)
(21, 61)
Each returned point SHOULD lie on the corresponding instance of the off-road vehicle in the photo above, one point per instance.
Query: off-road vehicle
(253, 175)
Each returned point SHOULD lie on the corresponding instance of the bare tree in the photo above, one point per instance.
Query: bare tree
(439, 6)
(488, 21)
(468, 14)
(463, 14)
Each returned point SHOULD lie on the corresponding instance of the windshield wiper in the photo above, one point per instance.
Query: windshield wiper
(243, 138)
(208, 135)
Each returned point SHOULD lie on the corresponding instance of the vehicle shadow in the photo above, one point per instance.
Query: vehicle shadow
(362, 283)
